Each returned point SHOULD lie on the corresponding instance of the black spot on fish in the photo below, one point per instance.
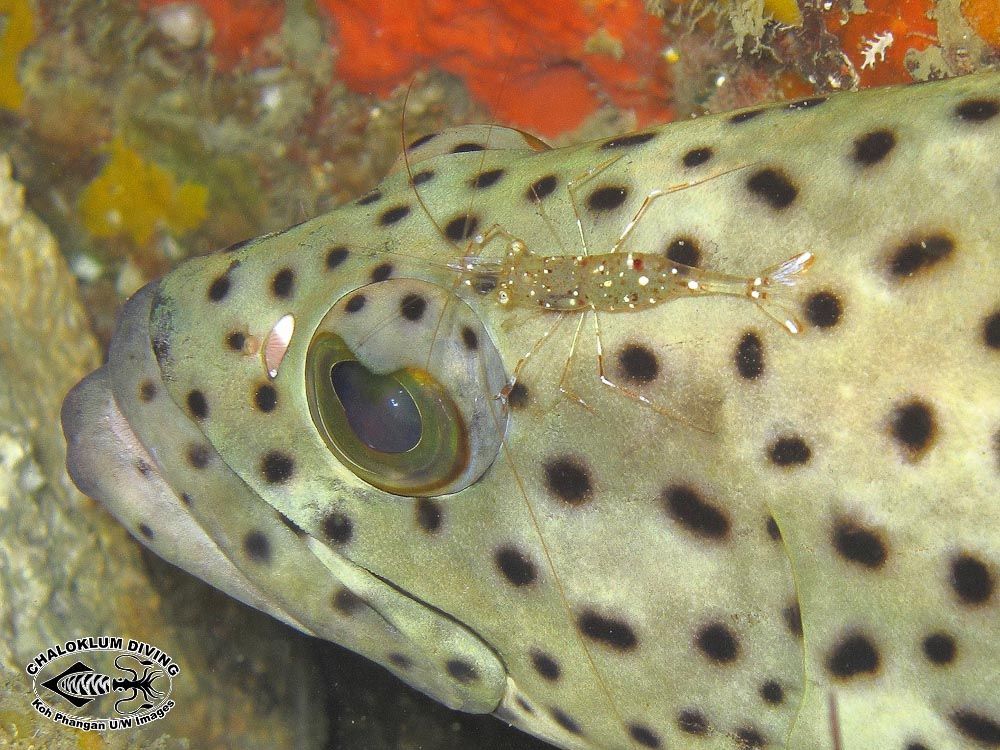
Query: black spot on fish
(609, 631)
(971, 579)
(750, 356)
(393, 215)
(697, 156)
(257, 547)
(692, 721)
(565, 721)
(462, 671)
(568, 480)
(939, 648)
(518, 395)
(283, 283)
(919, 254)
(429, 515)
(515, 565)
(991, 330)
(823, 309)
(147, 391)
(772, 692)
(792, 615)
(684, 250)
(338, 527)
(422, 178)
(700, 517)
(607, 198)
(545, 665)
(749, 738)
(977, 727)
(911, 424)
(412, 307)
(773, 187)
(487, 179)
(265, 398)
(873, 147)
(627, 141)
(718, 642)
(218, 290)
(977, 110)
(335, 256)
(355, 303)
(198, 455)
(381, 272)
(276, 467)
(400, 661)
(347, 602)
(462, 227)
(236, 340)
(638, 364)
(644, 735)
(541, 188)
(421, 141)
(789, 451)
(470, 339)
(197, 404)
(858, 544)
(805, 103)
(773, 531)
(741, 117)
(853, 656)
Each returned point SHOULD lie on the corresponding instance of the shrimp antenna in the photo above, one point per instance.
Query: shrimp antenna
(406, 160)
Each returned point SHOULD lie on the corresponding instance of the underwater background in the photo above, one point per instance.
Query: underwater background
(135, 135)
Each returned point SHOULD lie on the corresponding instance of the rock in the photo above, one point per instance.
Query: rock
(69, 570)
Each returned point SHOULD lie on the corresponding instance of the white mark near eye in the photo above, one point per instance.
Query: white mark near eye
(276, 344)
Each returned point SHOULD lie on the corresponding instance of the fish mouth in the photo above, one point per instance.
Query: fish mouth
(108, 461)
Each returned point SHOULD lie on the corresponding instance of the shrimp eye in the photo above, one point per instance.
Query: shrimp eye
(402, 400)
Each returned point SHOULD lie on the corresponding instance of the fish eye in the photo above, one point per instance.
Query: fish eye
(403, 401)
(378, 408)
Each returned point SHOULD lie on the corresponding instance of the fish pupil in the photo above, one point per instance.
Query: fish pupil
(381, 413)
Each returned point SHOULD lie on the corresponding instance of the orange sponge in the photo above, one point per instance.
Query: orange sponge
(542, 66)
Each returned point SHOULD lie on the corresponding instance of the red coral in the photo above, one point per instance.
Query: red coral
(543, 66)
(240, 25)
(911, 27)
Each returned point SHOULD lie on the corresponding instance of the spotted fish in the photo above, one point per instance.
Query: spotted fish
(666, 525)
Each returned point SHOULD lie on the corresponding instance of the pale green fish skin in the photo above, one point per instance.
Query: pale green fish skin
(652, 518)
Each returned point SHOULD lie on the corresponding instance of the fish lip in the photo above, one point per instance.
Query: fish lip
(74, 416)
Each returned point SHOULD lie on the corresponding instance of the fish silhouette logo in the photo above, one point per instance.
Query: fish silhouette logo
(73, 679)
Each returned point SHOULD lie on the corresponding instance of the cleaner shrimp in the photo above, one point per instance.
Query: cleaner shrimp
(580, 282)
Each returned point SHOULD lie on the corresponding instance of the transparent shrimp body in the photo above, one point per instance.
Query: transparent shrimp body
(623, 281)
